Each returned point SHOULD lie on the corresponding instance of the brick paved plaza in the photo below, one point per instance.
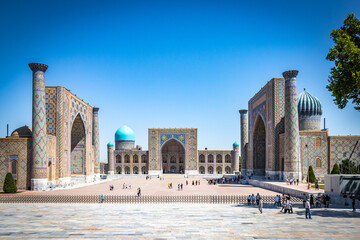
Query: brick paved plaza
(172, 221)
(155, 187)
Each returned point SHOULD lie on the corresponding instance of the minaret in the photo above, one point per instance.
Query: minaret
(235, 156)
(244, 139)
(292, 168)
(38, 164)
(96, 140)
(111, 164)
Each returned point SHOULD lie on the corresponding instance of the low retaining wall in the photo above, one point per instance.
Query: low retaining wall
(212, 199)
(281, 189)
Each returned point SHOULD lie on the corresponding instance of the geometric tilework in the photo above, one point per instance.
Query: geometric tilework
(51, 110)
(77, 161)
(166, 137)
(341, 148)
(77, 146)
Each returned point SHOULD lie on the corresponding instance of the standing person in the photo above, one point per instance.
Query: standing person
(181, 187)
(304, 200)
(312, 200)
(353, 203)
(260, 204)
(327, 201)
(257, 198)
(276, 201)
(252, 199)
(307, 209)
(297, 181)
(138, 192)
(187, 182)
(249, 199)
(102, 198)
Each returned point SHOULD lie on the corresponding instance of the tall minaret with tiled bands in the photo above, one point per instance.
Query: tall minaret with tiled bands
(243, 139)
(96, 140)
(292, 168)
(38, 167)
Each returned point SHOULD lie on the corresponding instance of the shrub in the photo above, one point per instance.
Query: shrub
(9, 184)
(335, 169)
(311, 175)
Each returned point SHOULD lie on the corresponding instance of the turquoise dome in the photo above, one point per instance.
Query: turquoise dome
(236, 144)
(110, 144)
(124, 133)
(309, 105)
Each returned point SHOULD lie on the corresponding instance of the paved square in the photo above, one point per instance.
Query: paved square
(172, 221)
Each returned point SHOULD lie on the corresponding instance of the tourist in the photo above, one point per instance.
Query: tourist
(138, 192)
(124, 186)
(257, 198)
(304, 200)
(102, 198)
(277, 200)
(193, 182)
(252, 199)
(283, 201)
(316, 184)
(297, 181)
(129, 186)
(187, 182)
(312, 200)
(327, 201)
(178, 187)
(181, 187)
(307, 209)
(260, 204)
(353, 203)
(249, 199)
(317, 202)
(287, 206)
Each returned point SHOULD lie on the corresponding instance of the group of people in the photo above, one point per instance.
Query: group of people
(318, 201)
(224, 180)
(181, 186)
(292, 181)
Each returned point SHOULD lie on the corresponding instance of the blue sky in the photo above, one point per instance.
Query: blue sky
(169, 63)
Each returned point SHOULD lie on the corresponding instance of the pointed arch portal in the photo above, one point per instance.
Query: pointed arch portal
(259, 160)
(78, 147)
(174, 153)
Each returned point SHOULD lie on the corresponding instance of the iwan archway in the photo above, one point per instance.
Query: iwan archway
(173, 157)
(259, 161)
(78, 146)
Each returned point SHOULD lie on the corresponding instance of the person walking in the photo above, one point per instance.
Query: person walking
(102, 198)
(260, 204)
(307, 209)
(353, 203)
(252, 199)
(257, 198)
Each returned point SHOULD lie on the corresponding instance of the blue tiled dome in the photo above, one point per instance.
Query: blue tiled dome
(110, 144)
(124, 133)
(236, 144)
(309, 105)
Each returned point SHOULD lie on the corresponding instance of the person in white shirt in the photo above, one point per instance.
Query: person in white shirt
(307, 209)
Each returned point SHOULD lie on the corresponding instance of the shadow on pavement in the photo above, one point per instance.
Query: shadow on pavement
(346, 213)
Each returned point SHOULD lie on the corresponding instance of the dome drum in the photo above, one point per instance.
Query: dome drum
(310, 110)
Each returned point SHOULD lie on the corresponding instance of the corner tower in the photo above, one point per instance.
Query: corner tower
(38, 166)
(292, 168)
(96, 140)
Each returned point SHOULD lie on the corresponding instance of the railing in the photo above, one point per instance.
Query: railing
(209, 199)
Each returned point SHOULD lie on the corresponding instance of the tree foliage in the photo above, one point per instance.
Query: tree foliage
(344, 81)
(349, 167)
(335, 169)
(9, 184)
(311, 175)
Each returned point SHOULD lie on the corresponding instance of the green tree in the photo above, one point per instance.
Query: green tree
(311, 175)
(344, 81)
(335, 169)
(9, 184)
(349, 167)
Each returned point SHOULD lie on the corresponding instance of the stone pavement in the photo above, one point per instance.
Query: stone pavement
(157, 187)
(172, 221)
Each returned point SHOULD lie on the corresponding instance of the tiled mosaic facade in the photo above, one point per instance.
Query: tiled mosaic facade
(275, 105)
(54, 112)
(172, 150)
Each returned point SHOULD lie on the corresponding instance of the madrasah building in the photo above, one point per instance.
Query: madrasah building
(280, 137)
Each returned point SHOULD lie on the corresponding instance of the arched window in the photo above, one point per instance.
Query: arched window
(202, 158)
(127, 158)
(228, 170)
(143, 159)
(227, 158)
(173, 159)
(127, 170)
(202, 170)
(13, 167)
(210, 170)
(210, 158)
(219, 170)
(218, 158)
(135, 159)
(318, 162)
(118, 170)
(318, 142)
(135, 170)
(144, 170)
(118, 159)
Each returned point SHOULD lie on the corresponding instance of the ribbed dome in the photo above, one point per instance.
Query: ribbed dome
(24, 131)
(309, 105)
(124, 133)
(236, 144)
